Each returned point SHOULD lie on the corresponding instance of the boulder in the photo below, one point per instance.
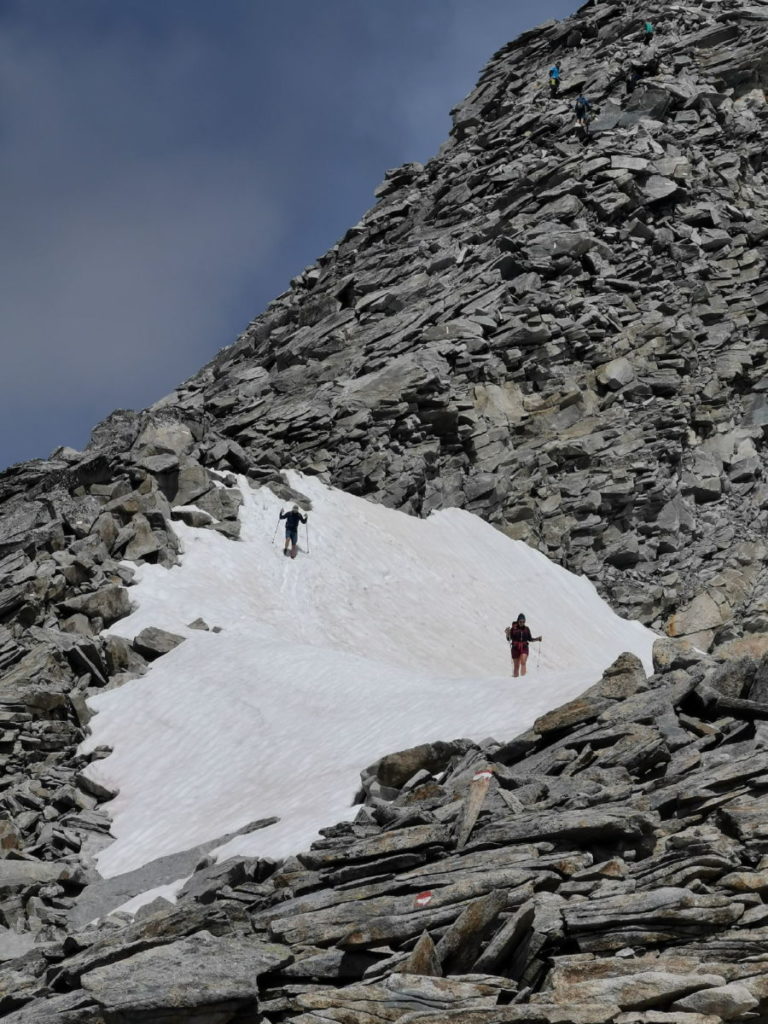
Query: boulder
(21, 873)
(159, 465)
(14, 944)
(644, 990)
(396, 769)
(109, 604)
(192, 516)
(192, 481)
(658, 188)
(142, 543)
(152, 642)
(206, 977)
(165, 436)
(705, 612)
(729, 1002)
(10, 837)
(615, 374)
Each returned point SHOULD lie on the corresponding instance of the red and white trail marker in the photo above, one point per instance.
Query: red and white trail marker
(423, 898)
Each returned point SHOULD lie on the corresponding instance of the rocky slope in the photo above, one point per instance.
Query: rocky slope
(608, 867)
(568, 337)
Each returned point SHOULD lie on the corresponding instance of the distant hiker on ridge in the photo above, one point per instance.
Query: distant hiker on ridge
(649, 30)
(519, 636)
(582, 108)
(292, 520)
(554, 80)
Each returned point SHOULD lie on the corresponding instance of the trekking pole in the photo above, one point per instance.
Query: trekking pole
(277, 527)
(538, 656)
(306, 530)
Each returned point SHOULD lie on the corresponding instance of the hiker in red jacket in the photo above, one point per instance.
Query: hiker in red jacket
(519, 636)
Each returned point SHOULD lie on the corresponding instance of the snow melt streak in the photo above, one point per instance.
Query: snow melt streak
(390, 633)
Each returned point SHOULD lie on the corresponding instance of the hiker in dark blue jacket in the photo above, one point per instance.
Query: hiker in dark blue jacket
(582, 109)
(292, 520)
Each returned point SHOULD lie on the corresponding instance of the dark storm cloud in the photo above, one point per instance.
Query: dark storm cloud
(166, 167)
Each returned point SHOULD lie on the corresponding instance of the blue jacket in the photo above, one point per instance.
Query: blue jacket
(292, 520)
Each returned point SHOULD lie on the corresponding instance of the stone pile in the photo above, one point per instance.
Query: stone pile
(610, 866)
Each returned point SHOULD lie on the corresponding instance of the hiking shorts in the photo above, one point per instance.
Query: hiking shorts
(292, 535)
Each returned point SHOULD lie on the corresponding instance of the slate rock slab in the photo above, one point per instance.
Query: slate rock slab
(72, 1008)
(201, 972)
(29, 872)
(644, 990)
(14, 944)
(396, 769)
(727, 1001)
(109, 603)
(153, 642)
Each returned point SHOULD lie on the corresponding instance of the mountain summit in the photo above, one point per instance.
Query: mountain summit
(561, 329)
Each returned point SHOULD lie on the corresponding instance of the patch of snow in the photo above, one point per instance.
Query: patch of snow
(389, 632)
(167, 892)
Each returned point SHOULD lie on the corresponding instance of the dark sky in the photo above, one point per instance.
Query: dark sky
(166, 166)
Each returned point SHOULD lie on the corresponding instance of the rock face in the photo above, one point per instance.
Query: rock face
(569, 337)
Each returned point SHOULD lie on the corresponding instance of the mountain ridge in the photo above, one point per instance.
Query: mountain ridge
(516, 330)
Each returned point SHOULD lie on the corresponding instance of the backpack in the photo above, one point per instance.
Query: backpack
(582, 105)
(649, 28)
(517, 636)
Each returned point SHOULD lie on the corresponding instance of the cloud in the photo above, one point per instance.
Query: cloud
(122, 271)
(124, 237)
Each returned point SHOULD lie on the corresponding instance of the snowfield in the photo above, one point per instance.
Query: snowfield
(388, 633)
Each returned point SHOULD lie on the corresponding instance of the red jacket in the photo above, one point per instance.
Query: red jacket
(519, 637)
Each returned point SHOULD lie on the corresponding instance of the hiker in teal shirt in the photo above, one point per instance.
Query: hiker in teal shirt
(554, 80)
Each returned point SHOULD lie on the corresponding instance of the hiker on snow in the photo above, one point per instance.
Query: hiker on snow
(292, 520)
(519, 636)
(554, 80)
(649, 32)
